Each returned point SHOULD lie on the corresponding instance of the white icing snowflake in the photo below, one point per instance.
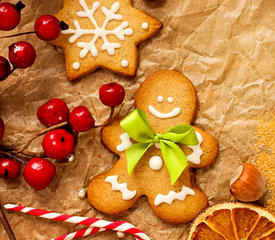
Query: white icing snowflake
(99, 32)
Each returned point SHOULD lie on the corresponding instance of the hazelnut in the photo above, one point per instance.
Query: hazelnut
(248, 183)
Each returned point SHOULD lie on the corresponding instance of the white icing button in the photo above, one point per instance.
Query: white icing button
(125, 142)
(160, 98)
(124, 63)
(170, 100)
(155, 163)
(120, 234)
(145, 25)
(82, 193)
(76, 65)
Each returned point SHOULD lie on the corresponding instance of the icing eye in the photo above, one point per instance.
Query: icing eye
(170, 99)
(160, 98)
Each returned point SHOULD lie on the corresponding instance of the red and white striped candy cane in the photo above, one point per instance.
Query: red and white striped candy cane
(81, 233)
(87, 221)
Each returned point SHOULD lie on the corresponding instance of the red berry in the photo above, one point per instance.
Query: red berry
(5, 68)
(81, 119)
(53, 112)
(58, 144)
(47, 27)
(38, 173)
(2, 128)
(21, 54)
(111, 94)
(10, 15)
(9, 169)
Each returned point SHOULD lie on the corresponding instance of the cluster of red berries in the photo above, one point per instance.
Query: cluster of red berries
(58, 143)
(22, 54)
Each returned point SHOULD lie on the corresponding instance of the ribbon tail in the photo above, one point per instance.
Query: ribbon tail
(174, 159)
(134, 154)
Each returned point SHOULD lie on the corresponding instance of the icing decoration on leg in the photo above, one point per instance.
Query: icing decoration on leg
(171, 196)
(122, 187)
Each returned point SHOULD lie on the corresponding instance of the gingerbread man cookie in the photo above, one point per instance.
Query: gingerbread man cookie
(103, 33)
(168, 99)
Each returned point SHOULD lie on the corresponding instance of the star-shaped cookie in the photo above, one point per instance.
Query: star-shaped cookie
(103, 33)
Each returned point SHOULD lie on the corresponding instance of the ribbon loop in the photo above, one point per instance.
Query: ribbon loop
(138, 127)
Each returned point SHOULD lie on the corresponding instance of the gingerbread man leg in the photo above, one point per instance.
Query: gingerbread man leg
(177, 207)
(176, 203)
(110, 193)
(183, 201)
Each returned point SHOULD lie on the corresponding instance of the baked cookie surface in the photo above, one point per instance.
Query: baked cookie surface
(168, 99)
(103, 33)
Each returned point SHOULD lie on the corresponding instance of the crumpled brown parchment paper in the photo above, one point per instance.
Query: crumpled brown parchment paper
(225, 47)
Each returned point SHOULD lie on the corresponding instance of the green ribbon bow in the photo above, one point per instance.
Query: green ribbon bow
(138, 127)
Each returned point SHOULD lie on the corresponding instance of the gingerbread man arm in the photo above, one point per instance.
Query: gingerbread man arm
(205, 153)
(111, 134)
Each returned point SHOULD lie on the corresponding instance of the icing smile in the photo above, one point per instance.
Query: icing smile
(158, 114)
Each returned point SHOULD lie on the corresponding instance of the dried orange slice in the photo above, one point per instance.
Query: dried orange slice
(233, 221)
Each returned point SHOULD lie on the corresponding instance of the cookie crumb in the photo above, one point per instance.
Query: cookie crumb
(82, 193)
(120, 235)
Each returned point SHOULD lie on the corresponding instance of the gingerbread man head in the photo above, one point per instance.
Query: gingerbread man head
(168, 99)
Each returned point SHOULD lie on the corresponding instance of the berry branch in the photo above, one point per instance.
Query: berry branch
(26, 154)
(6, 224)
(63, 127)
(22, 54)
(109, 120)
(18, 34)
(12, 156)
(26, 145)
